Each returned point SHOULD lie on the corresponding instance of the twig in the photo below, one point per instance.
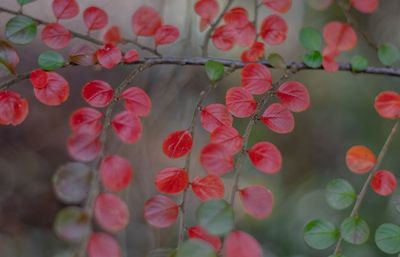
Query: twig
(201, 61)
(364, 188)
(85, 37)
(247, 133)
(346, 7)
(192, 127)
(212, 28)
(95, 183)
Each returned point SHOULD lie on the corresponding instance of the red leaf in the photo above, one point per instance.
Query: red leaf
(166, 34)
(9, 57)
(329, 55)
(83, 54)
(115, 172)
(256, 78)
(197, 232)
(384, 182)
(95, 18)
(387, 104)
(240, 102)
(137, 101)
(208, 187)
(229, 138)
(39, 78)
(294, 96)
(340, 35)
(146, 21)
(112, 36)
(274, 30)
(257, 201)
(13, 108)
(86, 120)
(247, 35)
(160, 211)
(103, 245)
(253, 54)
(216, 160)
(177, 144)
(365, 6)
(131, 56)
(214, 115)
(224, 37)
(65, 9)
(109, 56)
(55, 92)
(207, 10)
(278, 118)
(84, 147)
(127, 126)
(236, 17)
(265, 157)
(56, 36)
(97, 93)
(172, 180)
(281, 6)
(111, 212)
(360, 159)
(241, 244)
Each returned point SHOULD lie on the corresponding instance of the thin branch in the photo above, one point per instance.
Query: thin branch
(95, 183)
(364, 188)
(182, 222)
(246, 136)
(212, 28)
(85, 37)
(192, 127)
(201, 61)
(346, 7)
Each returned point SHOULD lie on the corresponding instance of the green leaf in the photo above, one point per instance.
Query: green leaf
(276, 61)
(388, 54)
(396, 202)
(359, 63)
(320, 234)
(216, 216)
(195, 248)
(311, 39)
(340, 194)
(354, 230)
(21, 30)
(72, 224)
(387, 238)
(23, 2)
(313, 59)
(51, 60)
(215, 70)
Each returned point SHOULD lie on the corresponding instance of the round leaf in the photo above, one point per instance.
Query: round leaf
(313, 59)
(72, 224)
(387, 238)
(340, 194)
(354, 230)
(51, 60)
(277, 61)
(72, 181)
(311, 39)
(216, 216)
(215, 70)
(21, 30)
(359, 63)
(320, 234)
(388, 54)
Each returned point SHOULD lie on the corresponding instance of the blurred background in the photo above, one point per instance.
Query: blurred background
(341, 115)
